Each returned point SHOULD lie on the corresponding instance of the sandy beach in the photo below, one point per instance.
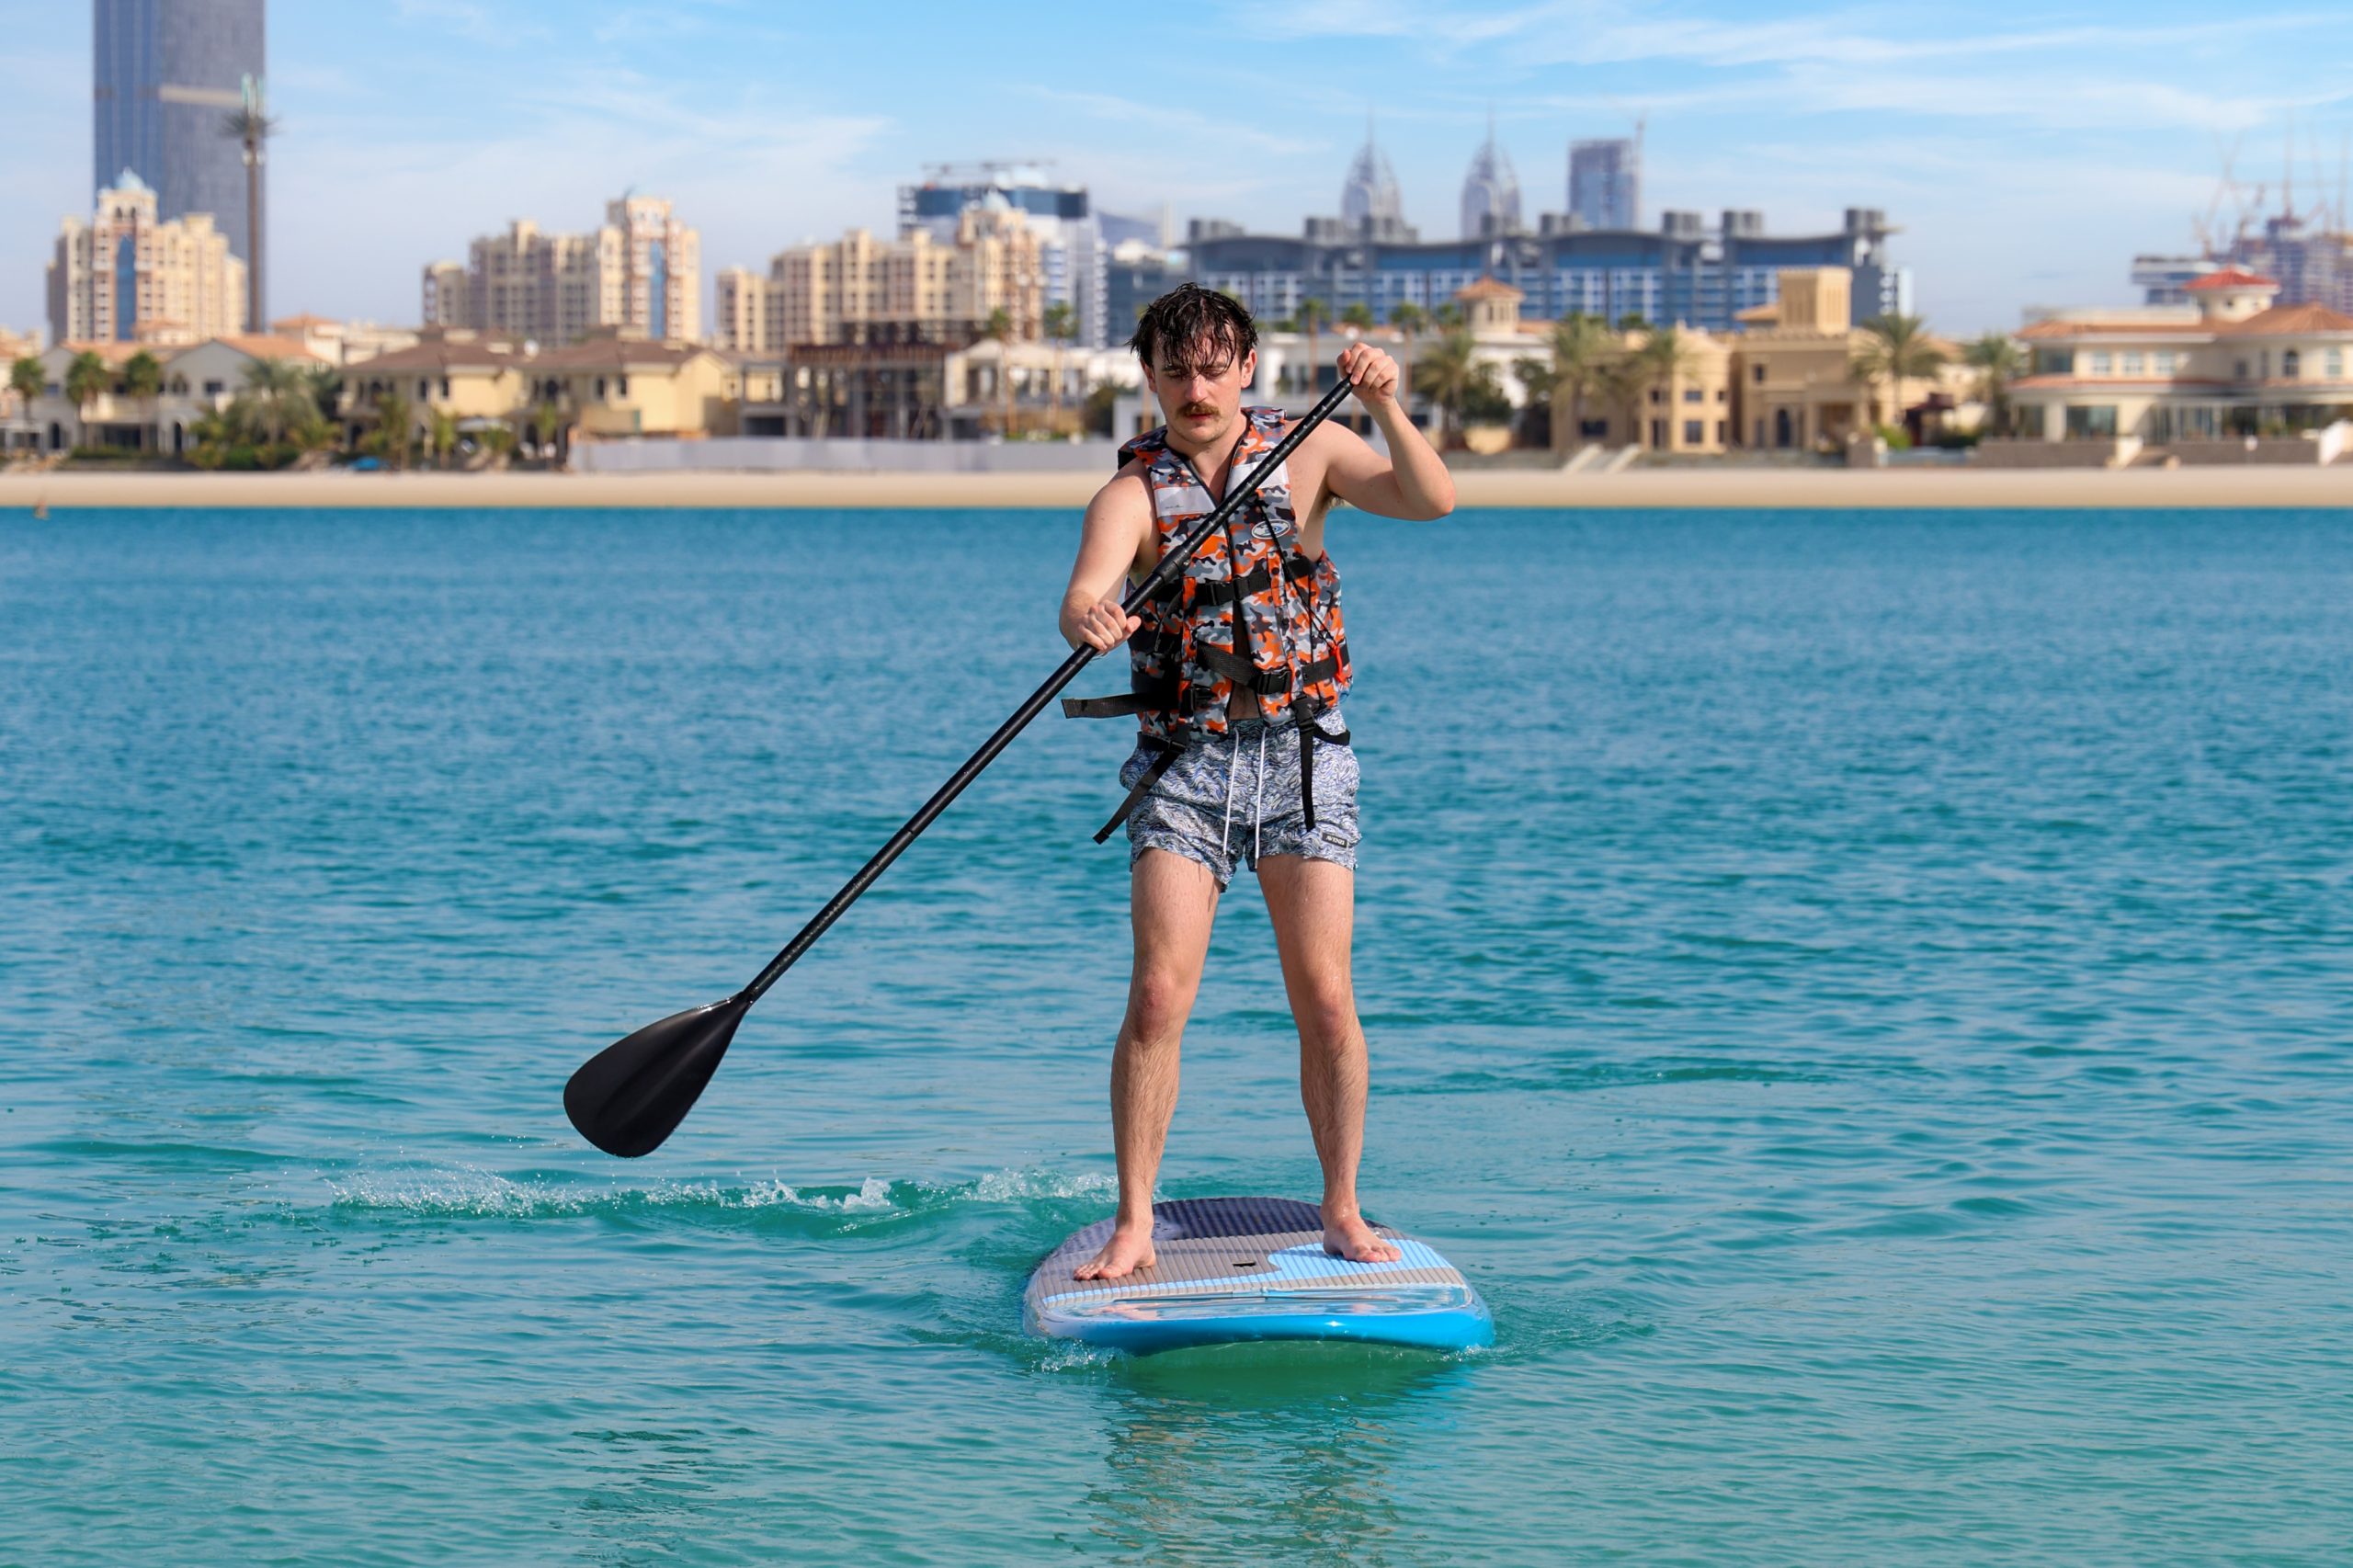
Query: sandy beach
(1808, 489)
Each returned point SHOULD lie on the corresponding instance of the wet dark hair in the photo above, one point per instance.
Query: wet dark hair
(1191, 319)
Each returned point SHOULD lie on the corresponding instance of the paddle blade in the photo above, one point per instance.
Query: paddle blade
(629, 1096)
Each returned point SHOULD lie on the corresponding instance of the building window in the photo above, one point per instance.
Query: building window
(2241, 370)
(1693, 394)
(2333, 367)
(2098, 421)
(2292, 363)
(2167, 360)
(423, 390)
(2132, 364)
(214, 388)
(621, 386)
(1724, 432)
(2103, 364)
(445, 386)
(1757, 374)
(1657, 396)
(1694, 432)
(600, 386)
(2055, 361)
(1723, 394)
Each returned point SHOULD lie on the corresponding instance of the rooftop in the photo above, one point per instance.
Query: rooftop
(2233, 277)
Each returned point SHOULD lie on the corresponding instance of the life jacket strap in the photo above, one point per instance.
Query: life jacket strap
(1168, 753)
(1242, 672)
(1221, 591)
(1310, 731)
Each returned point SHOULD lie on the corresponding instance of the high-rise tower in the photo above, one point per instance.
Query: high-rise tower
(1490, 191)
(165, 75)
(1369, 194)
(1605, 183)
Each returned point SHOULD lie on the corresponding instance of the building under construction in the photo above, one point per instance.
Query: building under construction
(2309, 253)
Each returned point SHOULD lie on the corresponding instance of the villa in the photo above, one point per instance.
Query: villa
(2230, 363)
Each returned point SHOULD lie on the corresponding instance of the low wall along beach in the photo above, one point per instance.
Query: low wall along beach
(1708, 488)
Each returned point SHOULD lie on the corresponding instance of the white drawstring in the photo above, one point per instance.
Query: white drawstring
(1258, 808)
(1232, 772)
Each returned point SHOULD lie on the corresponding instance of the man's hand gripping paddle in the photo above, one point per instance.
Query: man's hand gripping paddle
(629, 1096)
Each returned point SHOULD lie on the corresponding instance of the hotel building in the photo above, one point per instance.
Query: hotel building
(862, 291)
(128, 275)
(639, 271)
(1686, 273)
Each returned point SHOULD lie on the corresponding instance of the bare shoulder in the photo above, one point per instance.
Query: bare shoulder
(1124, 498)
(1330, 451)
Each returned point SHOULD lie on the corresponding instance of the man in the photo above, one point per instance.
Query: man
(1238, 675)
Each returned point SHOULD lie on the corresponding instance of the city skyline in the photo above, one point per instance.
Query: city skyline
(2025, 163)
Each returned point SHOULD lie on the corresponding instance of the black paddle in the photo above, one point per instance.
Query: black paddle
(631, 1095)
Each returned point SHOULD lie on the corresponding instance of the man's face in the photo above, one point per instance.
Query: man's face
(1200, 389)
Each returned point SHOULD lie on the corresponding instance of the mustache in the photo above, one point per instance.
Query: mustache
(1198, 410)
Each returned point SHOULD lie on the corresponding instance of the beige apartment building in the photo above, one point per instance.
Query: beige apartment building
(640, 271)
(126, 277)
(2231, 363)
(860, 290)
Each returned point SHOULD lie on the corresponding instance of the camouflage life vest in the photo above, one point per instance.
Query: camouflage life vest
(1250, 610)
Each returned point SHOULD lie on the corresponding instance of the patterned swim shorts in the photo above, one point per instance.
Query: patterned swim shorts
(1236, 797)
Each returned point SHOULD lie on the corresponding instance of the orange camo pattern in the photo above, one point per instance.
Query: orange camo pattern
(1284, 626)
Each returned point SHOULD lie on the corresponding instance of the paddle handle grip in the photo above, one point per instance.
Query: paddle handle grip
(1171, 562)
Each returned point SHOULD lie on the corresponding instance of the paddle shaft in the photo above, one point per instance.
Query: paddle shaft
(1172, 562)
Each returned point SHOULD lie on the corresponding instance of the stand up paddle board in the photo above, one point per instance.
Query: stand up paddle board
(1241, 1268)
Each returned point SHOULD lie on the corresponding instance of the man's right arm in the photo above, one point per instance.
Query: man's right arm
(1111, 545)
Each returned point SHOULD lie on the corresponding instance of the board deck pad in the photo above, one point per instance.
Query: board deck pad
(1234, 1269)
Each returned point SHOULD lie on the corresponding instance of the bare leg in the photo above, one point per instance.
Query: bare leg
(1176, 903)
(1313, 905)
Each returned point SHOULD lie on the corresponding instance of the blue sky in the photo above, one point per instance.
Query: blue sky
(2028, 152)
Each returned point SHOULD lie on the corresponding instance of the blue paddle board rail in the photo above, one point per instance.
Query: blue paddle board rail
(1235, 1270)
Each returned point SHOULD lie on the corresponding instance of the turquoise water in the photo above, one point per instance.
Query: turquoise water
(1866, 997)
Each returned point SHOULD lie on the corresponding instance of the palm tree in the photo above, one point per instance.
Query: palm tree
(1894, 346)
(1621, 388)
(393, 437)
(1358, 318)
(25, 381)
(1449, 374)
(279, 387)
(1313, 314)
(250, 126)
(441, 435)
(85, 378)
(1662, 358)
(998, 329)
(1583, 349)
(1997, 359)
(1061, 328)
(1409, 318)
(142, 378)
(324, 384)
(546, 420)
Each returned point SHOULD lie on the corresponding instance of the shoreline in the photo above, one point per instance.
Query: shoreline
(1713, 489)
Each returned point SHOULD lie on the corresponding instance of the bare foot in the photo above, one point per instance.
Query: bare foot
(1126, 1251)
(1347, 1235)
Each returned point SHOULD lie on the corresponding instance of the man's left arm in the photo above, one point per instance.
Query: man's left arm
(1411, 481)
